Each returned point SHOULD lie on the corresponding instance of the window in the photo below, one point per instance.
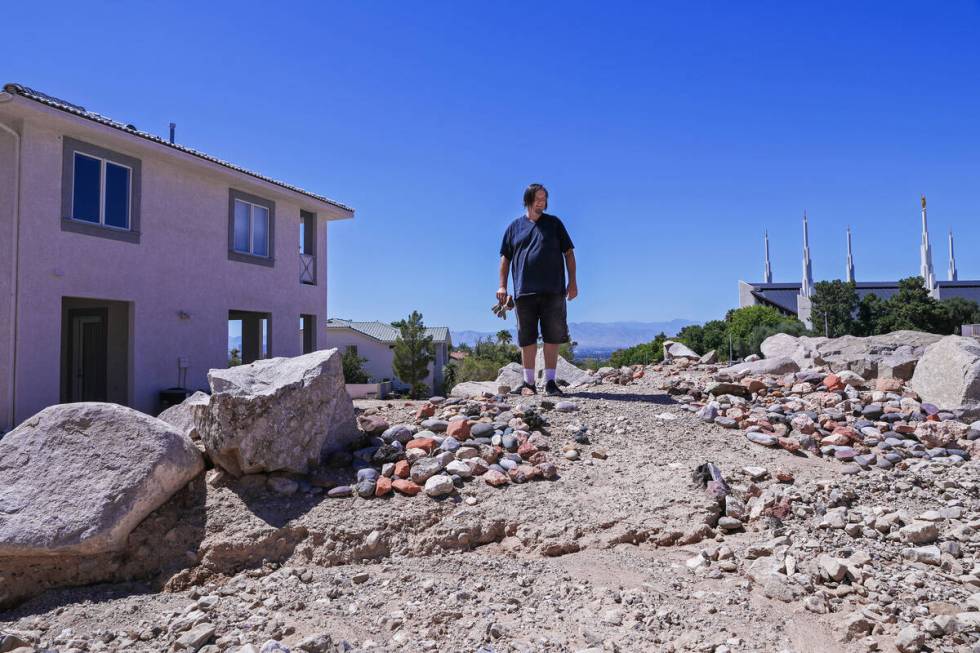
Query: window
(100, 192)
(251, 229)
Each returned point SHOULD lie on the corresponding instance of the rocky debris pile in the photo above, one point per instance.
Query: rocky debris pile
(624, 375)
(834, 415)
(895, 559)
(465, 439)
(276, 414)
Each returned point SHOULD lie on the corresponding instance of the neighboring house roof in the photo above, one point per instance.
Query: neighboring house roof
(459, 355)
(74, 109)
(385, 332)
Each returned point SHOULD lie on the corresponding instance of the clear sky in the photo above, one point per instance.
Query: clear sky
(669, 134)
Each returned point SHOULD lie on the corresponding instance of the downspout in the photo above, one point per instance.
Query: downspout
(7, 97)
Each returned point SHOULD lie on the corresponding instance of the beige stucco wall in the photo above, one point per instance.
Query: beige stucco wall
(180, 265)
(7, 172)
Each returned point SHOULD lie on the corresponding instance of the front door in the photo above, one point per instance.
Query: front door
(87, 355)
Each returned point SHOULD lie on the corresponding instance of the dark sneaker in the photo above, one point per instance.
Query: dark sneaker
(552, 390)
(527, 389)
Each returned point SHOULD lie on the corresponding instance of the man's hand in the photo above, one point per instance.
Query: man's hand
(501, 295)
(572, 291)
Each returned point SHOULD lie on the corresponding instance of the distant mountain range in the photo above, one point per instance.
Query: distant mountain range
(595, 337)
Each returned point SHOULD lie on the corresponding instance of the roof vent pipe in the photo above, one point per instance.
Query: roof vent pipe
(173, 131)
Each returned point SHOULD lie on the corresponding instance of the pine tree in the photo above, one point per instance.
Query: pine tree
(413, 354)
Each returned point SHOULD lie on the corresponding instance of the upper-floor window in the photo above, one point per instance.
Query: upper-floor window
(251, 228)
(100, 194)
(100, 191)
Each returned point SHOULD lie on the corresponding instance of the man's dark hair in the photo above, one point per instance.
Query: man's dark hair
(531, 192)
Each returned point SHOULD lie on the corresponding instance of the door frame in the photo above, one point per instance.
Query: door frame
(73, 313)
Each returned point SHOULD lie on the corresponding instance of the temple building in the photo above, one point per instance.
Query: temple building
(795, 298)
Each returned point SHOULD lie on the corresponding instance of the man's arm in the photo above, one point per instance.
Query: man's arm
(502, 289)
(572, 284)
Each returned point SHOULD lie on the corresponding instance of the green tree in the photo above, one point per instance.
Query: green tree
(912, 308)
(473, 368)
(693, 336)
(504, 337)
(715, 336)
(353, 367)
(835, 305)
(413, 354)
(642, 354)
(870, 311)
(235, 357)
(449, 376)
(955, 312)
(750, 325)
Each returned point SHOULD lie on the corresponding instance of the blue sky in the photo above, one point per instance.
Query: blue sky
(669, 134)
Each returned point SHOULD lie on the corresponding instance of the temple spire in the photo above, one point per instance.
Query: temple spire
(768, 270)
(850, 258)
(952, 258)
(806, 288)
(925, 253)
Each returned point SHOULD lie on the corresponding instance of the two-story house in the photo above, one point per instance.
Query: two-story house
(124, 256)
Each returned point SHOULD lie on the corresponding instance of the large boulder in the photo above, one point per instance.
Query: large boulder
(674, 350)
(185, 415)
(278, 414)
(475, 389)
(78, 478)
(512, 374)
(802, 349)
(889, 355)
(948, 374)
(773, 366)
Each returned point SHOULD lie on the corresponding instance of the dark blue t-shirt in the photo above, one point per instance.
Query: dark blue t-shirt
(536, 254)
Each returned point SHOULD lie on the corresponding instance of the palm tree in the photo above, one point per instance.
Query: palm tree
(504, 337)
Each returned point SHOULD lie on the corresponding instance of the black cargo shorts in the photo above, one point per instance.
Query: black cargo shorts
(546, 308)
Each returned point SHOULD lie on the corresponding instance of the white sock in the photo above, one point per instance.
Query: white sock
(529, 375)
(549, 375)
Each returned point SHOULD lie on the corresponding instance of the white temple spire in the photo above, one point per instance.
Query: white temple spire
(806, 288)
(768, 270)
(850, 258)
(925, 253)
(952, 258)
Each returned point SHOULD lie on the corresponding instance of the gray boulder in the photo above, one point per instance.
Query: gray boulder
(278, 414)
(512, 374)
(710, 358)
(78, 478)
(892, 354)
(674, 350)
(184, 416)
(948, 374)
(773, 366)
(475, 389)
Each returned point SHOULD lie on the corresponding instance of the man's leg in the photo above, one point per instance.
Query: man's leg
(550, 355)
(529, 353)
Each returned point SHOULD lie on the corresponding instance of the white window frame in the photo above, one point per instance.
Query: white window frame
(102, 191)
(251, 232)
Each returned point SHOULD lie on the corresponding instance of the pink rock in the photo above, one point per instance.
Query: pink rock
(427, 445)
(402, 469)
(382, 486)
(406, 487)
(495, 478)
(548, 471)
(459, 429)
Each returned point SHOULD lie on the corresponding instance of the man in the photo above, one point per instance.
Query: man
(537, 248)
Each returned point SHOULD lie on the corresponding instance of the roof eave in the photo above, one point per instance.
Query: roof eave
(324, 207)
